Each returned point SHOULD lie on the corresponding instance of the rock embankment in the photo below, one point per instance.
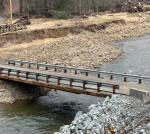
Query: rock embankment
(13, 91)
(115, 114)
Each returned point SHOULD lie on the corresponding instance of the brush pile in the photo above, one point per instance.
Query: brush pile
(134, 6)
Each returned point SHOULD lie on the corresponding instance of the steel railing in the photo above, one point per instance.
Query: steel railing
(86, 71)
(54, 77)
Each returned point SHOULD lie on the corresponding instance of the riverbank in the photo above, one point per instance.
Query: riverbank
(89, 48)
(11, 92)
(114, 115)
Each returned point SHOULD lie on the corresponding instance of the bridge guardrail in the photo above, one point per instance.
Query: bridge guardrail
(87, 71)
(46, 75)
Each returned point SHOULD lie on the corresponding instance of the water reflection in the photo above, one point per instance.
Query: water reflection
(44, 115)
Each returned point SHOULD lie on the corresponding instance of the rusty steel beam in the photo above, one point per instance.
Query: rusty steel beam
(58, 87)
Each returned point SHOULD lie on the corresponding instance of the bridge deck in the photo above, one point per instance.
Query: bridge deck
(77, 83)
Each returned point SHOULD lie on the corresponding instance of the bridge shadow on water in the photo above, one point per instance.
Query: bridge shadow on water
(45, 114)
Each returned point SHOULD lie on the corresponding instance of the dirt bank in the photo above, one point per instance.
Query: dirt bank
(88, 49)
(12, 91)
(84, 46)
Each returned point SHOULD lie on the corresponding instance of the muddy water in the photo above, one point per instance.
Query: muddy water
(46, 114)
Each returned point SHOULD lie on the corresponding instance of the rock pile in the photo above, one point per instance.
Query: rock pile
(119, 112)
(11, 91)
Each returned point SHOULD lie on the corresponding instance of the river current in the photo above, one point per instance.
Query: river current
(47, 114)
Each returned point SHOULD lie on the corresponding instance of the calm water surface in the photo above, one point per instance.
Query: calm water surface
(46, 114)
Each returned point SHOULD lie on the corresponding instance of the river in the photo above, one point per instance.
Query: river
(47, 114)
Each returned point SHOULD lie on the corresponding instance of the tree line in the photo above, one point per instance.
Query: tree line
(53, 8)
(67, 8)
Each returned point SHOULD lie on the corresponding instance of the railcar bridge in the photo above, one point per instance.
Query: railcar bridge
(69, 79)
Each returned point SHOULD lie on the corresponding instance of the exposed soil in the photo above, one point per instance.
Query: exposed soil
(79, 42)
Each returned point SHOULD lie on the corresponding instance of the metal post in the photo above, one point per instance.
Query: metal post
(65, 70)
(140, 81)
(114, 92)
(47, 81)
(86, 73)
(98, 87)
(84, 85)
(70, 82)
(46, 68)
(8, 72)
(75, 72)
(125, 79)
(27, 75)
(58, 80)
(37, 77)
(111, 77)
(17, 73)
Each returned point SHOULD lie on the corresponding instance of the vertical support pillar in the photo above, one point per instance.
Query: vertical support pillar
(87, 73)
(47, 77)
(75, 72)
(84, 82)
(98, 87)
(140, 81)
(70, 82)
(111, 77)
(58, 80)
(27, 75)
(17, 73)
(65, 70)
(8, 72)
(125, 79)
(37, 75)
(114, 91)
